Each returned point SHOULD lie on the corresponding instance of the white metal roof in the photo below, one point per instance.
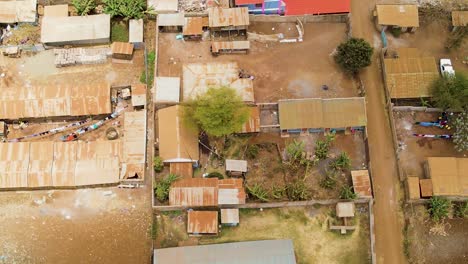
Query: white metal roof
(135, 31)
(236, 165)
(167, 89)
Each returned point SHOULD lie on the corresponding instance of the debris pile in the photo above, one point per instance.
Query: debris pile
(74, 56)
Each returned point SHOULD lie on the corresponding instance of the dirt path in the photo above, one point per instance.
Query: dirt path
(388, 224)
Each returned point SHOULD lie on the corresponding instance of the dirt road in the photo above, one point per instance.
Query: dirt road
(388, 220)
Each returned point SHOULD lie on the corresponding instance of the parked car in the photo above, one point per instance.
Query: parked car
(446, 67)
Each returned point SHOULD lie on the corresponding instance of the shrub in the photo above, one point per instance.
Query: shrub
(125, 8)
(347, 193)
(396, 32)
(296, 151)
(215, 174)
(461, 209)
(278, 192)
(322, 147)
(342, 162)
(297, 191)
(158, 164)
(439, 208)
(84, 7)
(252, 151)
(451, 92)
(329, 181)
(150, 60)
(161, 189)
(354, 54)
(258, 191)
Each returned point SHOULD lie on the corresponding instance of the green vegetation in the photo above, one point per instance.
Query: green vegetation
(456, 38)
(258, 192)
(354, 54)
(158, 164)
(162, 187)
(461, 209)
(439, 208)
(460, 137)
(296, 153)
(150, 60)
(297, 190)
(396, 32)
(119, 32)
(84, 7)
(218, 112)
(127, 9)
(329, 181)
(347, 193)
(342, 162)
(278, 192)
(172, 213)
(215, 174)
(451, 92)
(252, 151)
(322, 147)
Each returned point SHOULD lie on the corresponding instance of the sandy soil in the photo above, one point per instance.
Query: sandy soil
(279, 72)
(323, 246)
(428, 248)
(415, 150)
(388, 220)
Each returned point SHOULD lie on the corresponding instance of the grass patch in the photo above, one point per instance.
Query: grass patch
(119, 32)
(172, 213)
(150, 60)
(154, 228)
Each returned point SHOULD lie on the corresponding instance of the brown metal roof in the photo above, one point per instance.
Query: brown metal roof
(138, 94)
(361, 183)
(398, 15)
(229, 216)
(322, 113)
(122, 48)
(216, 46)
(177, 142)
(50, 101)
(460, 18)
(193, 26)
(182, 169)
(411, 74)
(449, 175)
(226, 17)
(194, 192)
(253, 124)
(413, 188)
(426, 187)
(202, 222)
(134, 143)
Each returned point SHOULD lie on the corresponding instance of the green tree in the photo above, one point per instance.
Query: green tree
(161, 189)
(439, 208)
(347, 193)
(84, 7)
(460, 137)
(451, 92)
(158, 164)
(354, 54)
(125, 8)
(218, 112)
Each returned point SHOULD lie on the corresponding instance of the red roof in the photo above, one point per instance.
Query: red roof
(313, 7)
(248, 2)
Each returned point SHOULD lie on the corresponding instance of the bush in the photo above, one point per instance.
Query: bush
(252, 151)
(161, 189)
(451, 92)
(354, 54)
(158, 164)
(125, 8)
(215, 174)
(296, 151)
(119, 32)
(329, 181)
(461, 209)
(150, 60)
(343, 162)
(278, 192)
(439, 208)
(84, 7)
(347, 193)
(258, 192)
(396, 32)
(322, 147)
(297, 191)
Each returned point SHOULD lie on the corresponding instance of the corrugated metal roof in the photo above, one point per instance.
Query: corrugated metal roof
(361, 183)
(138, 94)
(194, 192)
(135, 31)
(449, 175)
(75, 28)
(182, 169)
(322, 113)
(198, 77)
(345, 209)
(231, 191)
(193, 26)
(122, 48)
(258, 252)
(315, 7)
(56, 10)
(163, 5)
(216, 46)
(229, 216)
(227, 17)
(411, 74)
(460, 18)
(413, 188)
(236, 165)
(50, 101)
(41, 156)
(169, 20)
(134, 143)
(426, 187)
(177, 142)
(253, 124)
(167, 89)
(14, 11)
(202, 222)
(398, 15)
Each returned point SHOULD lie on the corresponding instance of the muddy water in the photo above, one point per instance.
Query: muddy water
(388, 223)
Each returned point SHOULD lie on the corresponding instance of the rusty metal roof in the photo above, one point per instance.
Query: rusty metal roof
(361, 183)
(182, 169)
(460, 18)
(134, 143)
(122, 48)
(413, 188)
(202, 222)
(216, 46)
(231, 191)
(193, 26)
(50, 101)
(398, 15)
(253, 124)
(322, 113)
(14, 11)
(426, 187)
(449, 175)
(230, 216)
(194, 192)
(227, 17)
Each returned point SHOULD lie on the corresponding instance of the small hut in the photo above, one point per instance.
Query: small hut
(344, 210)
(122, 51)
(236, 168)
(202, 223)
(230, 217)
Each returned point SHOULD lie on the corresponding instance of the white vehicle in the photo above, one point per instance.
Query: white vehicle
(446, 67)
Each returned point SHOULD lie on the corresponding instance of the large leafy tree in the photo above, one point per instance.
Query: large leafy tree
(218, 112)
(451, 92)
(354, 54)
(125, 8)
